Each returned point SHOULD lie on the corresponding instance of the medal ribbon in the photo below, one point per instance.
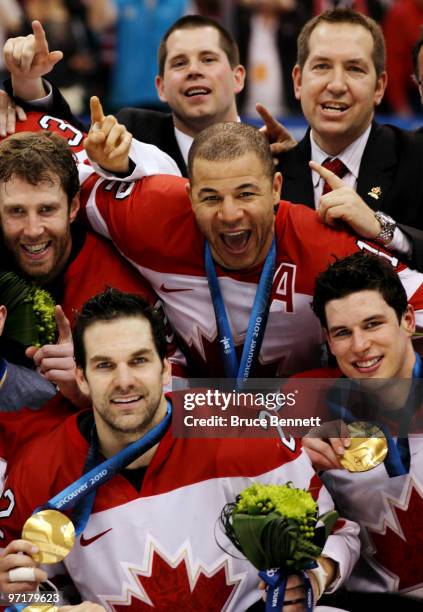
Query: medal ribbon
(256, 324)
(276, 580)
(397, 460)
(85, 487)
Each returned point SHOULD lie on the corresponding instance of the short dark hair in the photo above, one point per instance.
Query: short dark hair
(228, 141)
(344, 15)
(416, 50)
(38, 157)
(111, 305)
(359, 272)
(192, 22)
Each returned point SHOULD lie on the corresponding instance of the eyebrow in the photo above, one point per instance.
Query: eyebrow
(206, 190)
(336, 328)
(325, 58)
(183, 54)
(139, 353)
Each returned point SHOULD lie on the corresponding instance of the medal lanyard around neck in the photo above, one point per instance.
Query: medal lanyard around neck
(397, 460)
(81, 493)
(256, 324)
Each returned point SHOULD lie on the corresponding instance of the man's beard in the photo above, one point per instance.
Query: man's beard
(138, 429)
(11, 260)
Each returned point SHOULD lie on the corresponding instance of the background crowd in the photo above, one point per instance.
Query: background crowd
(110, 47)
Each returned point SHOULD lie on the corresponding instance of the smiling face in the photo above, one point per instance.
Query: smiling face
(124, 377)
(233, 203)
(35, 223)
(338, 87)
(198, 82)
(366, 338)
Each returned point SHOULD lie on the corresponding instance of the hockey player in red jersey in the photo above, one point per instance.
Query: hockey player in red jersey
(213, 249)
(149, 539)
(363, 308)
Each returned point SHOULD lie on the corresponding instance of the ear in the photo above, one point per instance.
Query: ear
(277, 186)
(3, 314)
(239, 78)
(408, 321)
(381, 83)
(167, 372)
(188, 190)
(328, 339)
(296, 79)
(74, 208)
(81, 381)
(160, 88)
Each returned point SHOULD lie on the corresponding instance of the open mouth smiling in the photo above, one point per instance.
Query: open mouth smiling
(236, 241)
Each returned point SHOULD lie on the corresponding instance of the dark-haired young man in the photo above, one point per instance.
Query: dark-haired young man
(369, 323)
(340, 79)
(150, 538)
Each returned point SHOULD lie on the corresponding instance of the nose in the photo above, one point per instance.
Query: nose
(230, 212)
(360, 341)
(337, 81)
(124, 378)
(33, 226)
(195, 67)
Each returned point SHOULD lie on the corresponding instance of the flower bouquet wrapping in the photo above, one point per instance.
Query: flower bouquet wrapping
(276, 528)
(30, 311)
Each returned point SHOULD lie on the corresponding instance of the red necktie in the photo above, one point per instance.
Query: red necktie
(337, 167)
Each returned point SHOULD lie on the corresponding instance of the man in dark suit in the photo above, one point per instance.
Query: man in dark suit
(199, 77)
(340, 79)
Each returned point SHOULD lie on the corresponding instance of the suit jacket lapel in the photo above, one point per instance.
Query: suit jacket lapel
(378, 165)
(297, 184)
(170, 145)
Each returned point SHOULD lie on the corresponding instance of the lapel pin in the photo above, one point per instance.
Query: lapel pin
(375, 192)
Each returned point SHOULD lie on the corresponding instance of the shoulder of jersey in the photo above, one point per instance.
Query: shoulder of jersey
(37, 122)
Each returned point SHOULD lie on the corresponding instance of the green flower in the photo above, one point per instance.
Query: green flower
(30, 317)
(276, 526)
(284, 500)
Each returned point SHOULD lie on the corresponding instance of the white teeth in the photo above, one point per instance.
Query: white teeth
(334, 107)
(126, 400)
(35, 248)
(367, 364)
(196, 92)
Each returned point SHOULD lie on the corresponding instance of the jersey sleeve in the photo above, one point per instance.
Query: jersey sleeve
(134, 215)
(15, 507)
(318, 245)
(148, 160)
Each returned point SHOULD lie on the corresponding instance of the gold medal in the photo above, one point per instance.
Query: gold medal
(52, 532)
(368, 447)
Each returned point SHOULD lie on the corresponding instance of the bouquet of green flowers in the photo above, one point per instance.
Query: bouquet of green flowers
(30, 311)
(276, 526)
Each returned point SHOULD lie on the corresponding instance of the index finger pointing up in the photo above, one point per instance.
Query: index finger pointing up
(96, 109)
(63, 326)
(40, 36)
(332, 180)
